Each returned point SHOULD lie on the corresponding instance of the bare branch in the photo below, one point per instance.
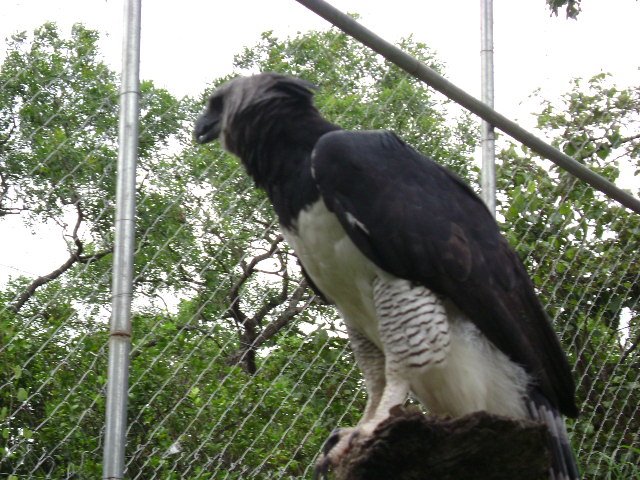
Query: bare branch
(13, 128)
(4, 189)
(248, 270)
(11, 211)
(634, 345)
(293, 309)
(264, 256)
(94, 257)
(75, 257)
(630, 139)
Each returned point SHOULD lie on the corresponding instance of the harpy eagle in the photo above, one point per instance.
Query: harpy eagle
(434, 299)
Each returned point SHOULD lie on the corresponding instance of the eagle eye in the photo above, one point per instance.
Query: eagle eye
(215, 103)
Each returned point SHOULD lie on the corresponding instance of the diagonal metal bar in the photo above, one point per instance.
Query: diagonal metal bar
(436, 81)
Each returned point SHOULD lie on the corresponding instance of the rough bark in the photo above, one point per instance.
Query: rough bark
(480, 446)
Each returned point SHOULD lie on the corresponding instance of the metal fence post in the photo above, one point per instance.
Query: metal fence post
(488, 176)
(122, 286)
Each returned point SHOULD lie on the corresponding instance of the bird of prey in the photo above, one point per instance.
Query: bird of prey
(435, 301)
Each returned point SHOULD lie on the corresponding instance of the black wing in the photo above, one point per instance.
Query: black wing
(416, 220)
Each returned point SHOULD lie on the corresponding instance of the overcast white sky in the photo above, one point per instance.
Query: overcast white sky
(188, 43)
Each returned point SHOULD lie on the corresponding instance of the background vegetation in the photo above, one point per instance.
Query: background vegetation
(237, 370)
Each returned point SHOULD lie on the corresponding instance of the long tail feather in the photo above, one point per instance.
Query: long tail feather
(563, 462)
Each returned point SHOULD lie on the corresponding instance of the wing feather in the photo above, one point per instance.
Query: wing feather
(416, 220)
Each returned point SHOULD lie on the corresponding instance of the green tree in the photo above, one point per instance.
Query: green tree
(58, 145)
(572, 7)
(224, 383)
(228, 358)
(58, 142)
(580, 247)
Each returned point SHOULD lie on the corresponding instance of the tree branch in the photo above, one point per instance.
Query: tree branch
(630, 139)
(250, 337)
(250, 341)
(13, 128)
(4, 188)
(246, 352)
(94, 257)
(274, 302)
(630, 350)
(247, 271)
(275, 243)
(411, 446)
(285, 317)
(75, 257)
(11, 210)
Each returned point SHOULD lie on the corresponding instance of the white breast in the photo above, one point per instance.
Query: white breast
(337, 267)
(475, 375)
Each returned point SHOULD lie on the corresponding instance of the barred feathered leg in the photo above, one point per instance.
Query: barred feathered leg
(414, 333)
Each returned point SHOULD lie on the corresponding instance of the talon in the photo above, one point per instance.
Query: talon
(332, 441)
(353, 437)
(321, 470)
(326, 460)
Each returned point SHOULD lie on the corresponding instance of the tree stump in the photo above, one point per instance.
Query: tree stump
(479, 446)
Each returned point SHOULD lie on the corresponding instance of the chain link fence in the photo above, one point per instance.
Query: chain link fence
(237, 370)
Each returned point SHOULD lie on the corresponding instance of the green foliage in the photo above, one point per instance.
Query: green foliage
(623, 468)
(58, 140)
(237, 371)
(572, 7)
(597, 123)
(58, 150)
(580, 247)
(229, 422)
(51, 376)
(57, 121)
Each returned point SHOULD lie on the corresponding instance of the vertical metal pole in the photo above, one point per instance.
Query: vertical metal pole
(122, 284)
(488, 175)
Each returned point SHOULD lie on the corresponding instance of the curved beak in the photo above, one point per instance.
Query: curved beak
(207, 128)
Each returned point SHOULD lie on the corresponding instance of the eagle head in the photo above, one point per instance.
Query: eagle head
(244, 101)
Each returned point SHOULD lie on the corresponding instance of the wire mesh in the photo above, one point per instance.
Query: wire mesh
(237, 369)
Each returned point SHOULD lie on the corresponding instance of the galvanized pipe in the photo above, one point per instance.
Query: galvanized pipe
(436, 81)
(122, 284)
(488, 139)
